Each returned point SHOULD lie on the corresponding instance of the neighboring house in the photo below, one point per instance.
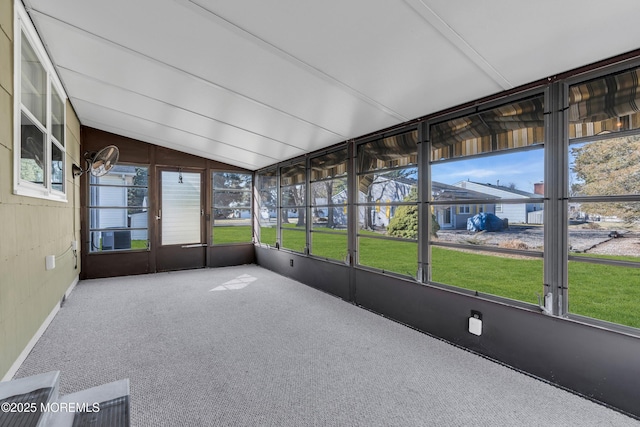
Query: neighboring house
(455, 216)
(516, 213)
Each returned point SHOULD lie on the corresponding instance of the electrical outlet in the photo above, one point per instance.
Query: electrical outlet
(475, 323)
(50, 262)
(290, 263)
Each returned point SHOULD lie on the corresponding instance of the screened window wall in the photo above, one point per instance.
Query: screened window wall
(329, 205)
(604, 198)
(387, 204)
(118, 214)
(231, 210)
(486, 211)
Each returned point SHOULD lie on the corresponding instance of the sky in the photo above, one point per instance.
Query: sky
(522, 168)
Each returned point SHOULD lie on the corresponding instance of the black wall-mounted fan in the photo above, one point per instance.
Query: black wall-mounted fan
(100, 163)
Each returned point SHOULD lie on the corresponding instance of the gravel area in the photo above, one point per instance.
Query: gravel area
(620, 246)
(532, 238)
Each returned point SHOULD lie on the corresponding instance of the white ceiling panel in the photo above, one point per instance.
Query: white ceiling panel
(383, 49)
(252, 83)
(106, 62)
(165, 136)
(130, 103)
(527, 41)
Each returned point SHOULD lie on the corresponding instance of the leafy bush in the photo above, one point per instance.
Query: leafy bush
(405, 221)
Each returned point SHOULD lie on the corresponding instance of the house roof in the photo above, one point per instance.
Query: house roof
(502, 188)
(443, 191)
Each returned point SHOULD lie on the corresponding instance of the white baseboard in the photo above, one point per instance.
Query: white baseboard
(23, 356)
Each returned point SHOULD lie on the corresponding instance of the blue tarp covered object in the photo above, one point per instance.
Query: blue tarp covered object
(484, 222)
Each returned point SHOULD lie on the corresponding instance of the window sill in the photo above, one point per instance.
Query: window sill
(40, 194)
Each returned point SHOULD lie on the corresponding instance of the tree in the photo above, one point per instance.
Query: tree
(229, 192)
(136, 195)
(392, 185)
(607, 168)
(405, 221)
(323, 194)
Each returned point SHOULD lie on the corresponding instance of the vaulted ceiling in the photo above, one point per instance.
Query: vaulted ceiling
(254, 82)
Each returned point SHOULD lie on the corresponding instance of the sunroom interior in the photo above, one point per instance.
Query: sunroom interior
(440, 165)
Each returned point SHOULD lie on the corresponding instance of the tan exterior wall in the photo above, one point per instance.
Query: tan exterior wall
(31, 228)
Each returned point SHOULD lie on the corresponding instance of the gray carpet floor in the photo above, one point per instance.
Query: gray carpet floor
(243, 346)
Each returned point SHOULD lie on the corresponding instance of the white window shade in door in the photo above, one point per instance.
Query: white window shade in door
(181, 208)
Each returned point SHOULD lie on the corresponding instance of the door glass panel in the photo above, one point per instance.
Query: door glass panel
(181, 208)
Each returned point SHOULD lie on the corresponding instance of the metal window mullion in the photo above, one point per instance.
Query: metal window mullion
(422, 209)
(352, 219)
(307, 202)
(278, 209)
(555, 204)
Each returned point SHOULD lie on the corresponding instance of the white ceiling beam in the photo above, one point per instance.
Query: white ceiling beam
(433, 19)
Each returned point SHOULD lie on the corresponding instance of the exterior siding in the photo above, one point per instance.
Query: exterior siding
(31, 228)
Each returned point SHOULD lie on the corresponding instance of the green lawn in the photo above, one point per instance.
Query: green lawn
(513, 278)
(604, 292)
(139, 244)
(233, 234)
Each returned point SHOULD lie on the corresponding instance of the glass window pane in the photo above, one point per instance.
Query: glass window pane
(232, 181)
(391, 152)
(57, 168)
(513, 277)
(231, 199)
(32, 153)
(104, 218)
(388, 187)
(330, 245)
(293, 217)
(508, 175)
(605, 167)
(33, 82)
(605, 105)
(329, 218)
(330, 165)
(293, 195)
(267, 200)
(390, 220)
(329, 192)
(294, 174)
(57, 117)
(232, 226)
(607, 230)
(294, 239)
(519, 124)
(388, 255)
(513, 175)
(118, 240)
(123, 175)
(268, 234)
(605, 292)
